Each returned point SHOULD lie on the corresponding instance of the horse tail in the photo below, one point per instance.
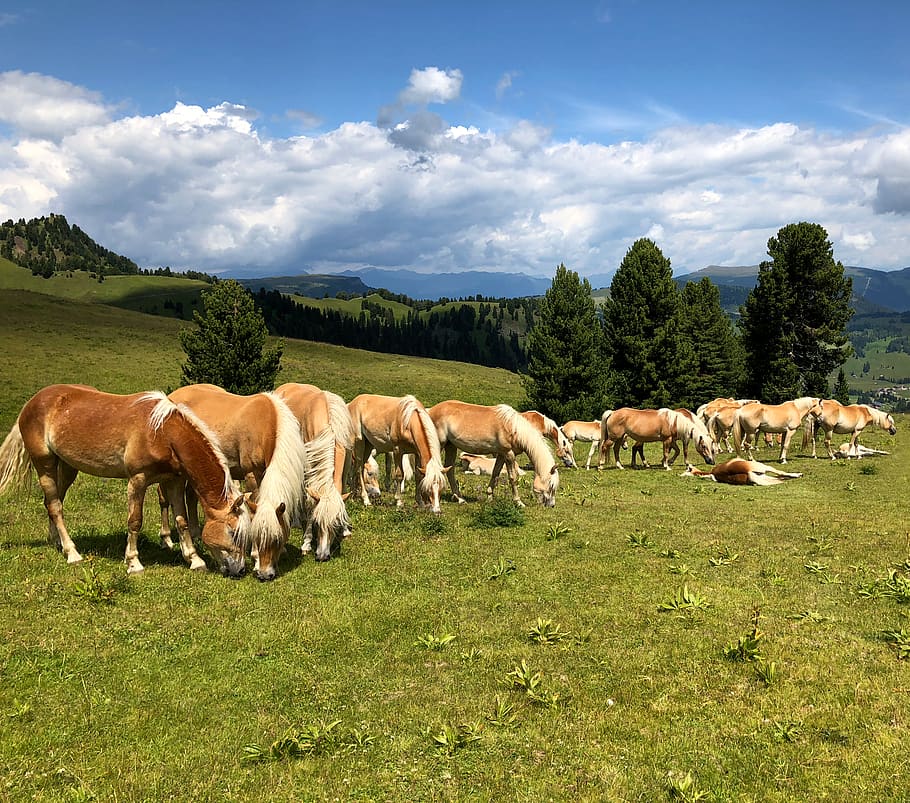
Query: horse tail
(604, 420)
(340, 420)
(738, 435)
(14, 462)
(808, 433)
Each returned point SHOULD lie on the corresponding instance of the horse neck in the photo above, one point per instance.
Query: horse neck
(284, 479)
(527, 439)
(200, 459)
(423, 433)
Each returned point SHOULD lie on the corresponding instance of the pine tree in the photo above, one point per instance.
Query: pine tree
(650, 359)
(793, 322)
(718, 351)
(841, 390)
(565, 374)
(228, 346)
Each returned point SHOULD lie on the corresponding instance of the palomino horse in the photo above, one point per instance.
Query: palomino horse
(586, 432)
(479, 464)
(785, 418)
(550, 429)
(652, 426)
(499, 431)
(328, 435)
(743, 472)
(260, 438)
(143, 438)
(844, 419)
(399, 425)
(718, 417)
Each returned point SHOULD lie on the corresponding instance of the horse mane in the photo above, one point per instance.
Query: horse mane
(164, 408)
(340, 420)
(285, 476)
(320, 469)
(530, 441)
(408, 407)
(879, 417)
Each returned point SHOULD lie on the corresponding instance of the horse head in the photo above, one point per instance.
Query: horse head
(545, 487)
(267, 521)
(226, 534)
(564, 450)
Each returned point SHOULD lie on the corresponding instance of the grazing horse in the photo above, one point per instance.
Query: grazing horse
(499, 431)
(261, 440)
(743, 472)
(478, 464)
(651, 426)
(844, 419)
(586, 432)
(328, 436)
(784, 418)
(718, 416)
(550, 429)
(399, 425)
(144, 438)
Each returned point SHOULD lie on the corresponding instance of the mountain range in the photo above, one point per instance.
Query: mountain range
(874, 291)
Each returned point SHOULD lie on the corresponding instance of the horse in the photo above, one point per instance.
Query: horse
(260, 437)
(399, 425)
(550, 429)
(479, 464)
(785, 418)
(502, 432)
(845, 419)
(143, 438)
(328, 436)
(743, 472)
(586, 432)
(718, 418)
(651, 426)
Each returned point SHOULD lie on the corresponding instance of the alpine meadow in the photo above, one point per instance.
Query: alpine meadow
(651, 637)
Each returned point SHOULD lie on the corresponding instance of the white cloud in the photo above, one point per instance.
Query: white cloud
(432, 85)
(504, 84)
(204, 188)
(41, 106)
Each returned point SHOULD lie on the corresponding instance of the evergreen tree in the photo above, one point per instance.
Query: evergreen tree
(228, 346)
(793, 321)
(565, 374)
(841, 390)
(651, 361)
(718, 351)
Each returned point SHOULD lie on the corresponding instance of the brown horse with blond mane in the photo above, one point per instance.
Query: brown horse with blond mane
(743, 472)
(552, 431)
(664, 426)
(785, 419)
(499, 431)
(143, 438)
(260, 438)
(586, 432)
(399, 425)
(328, 435)
(844, 419)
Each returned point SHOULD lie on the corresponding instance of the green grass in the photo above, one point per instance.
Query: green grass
(166, 689)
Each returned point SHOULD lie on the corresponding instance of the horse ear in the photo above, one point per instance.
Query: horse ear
(313, 495)
(446, 469)
(345, 497)
(240, 501)
(554, 469)
(279, 511)
(422, 470)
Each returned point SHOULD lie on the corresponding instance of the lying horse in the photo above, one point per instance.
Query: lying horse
(499, 431)
(261, 440)
(743, 472)
(144, 438)
(328, 438)
(784, 418)
(399, 425)
(550, 429)
(481, 464)
(651, 426)
(586, 432)
(844, 419)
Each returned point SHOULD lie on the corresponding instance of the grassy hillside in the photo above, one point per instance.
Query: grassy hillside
(596, 651)
(49, 340)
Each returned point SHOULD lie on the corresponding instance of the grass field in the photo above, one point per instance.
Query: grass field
(649, 631)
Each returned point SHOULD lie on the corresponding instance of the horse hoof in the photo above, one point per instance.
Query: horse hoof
(198, 565)
(135, 568)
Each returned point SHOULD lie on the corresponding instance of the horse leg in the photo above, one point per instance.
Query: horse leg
(54, 481)
(512, 471)
(397, 457)
(450, 450)
(785, 444)
(670, 445)
(494, 474)
(165, 534)
(617, 445)
(361, 454)
(182, 500)
(135, 499)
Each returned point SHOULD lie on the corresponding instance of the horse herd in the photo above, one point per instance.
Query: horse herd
(296, 450)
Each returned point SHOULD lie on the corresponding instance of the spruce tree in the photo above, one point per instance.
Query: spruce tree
(718, 351)
(565, 374)
(841, 391)
(651, 361)
(227, 348)
(793, 322)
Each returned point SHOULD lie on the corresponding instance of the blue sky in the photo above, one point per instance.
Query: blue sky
(242, 137)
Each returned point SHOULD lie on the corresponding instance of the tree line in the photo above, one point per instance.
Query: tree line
(654, 345)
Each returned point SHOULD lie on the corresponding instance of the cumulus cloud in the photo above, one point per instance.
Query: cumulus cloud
(411, 125)
(41, 106)
(204, 188)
